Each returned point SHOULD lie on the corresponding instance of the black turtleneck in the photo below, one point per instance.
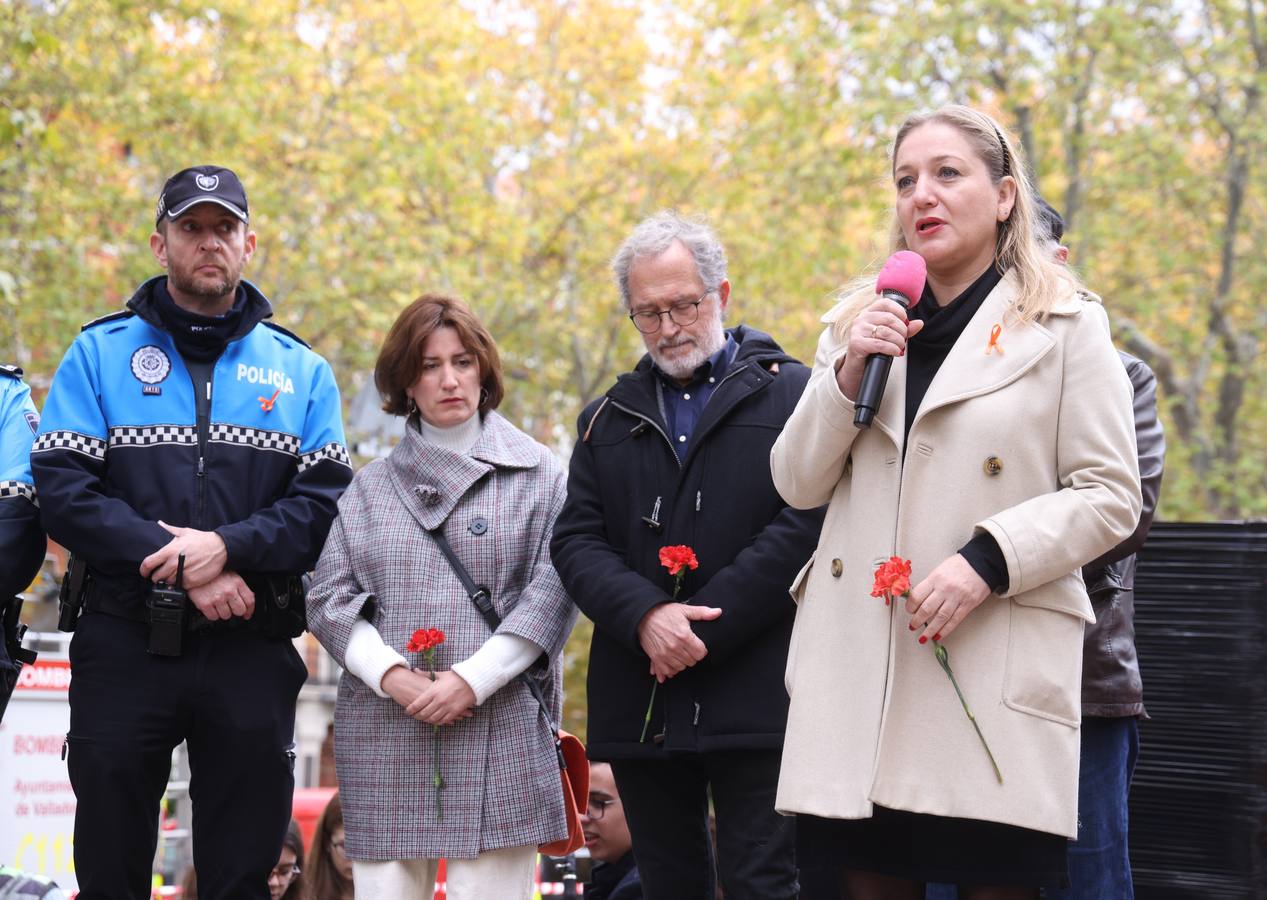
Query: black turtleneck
(198, 337)
(925, 353)
(942, 327)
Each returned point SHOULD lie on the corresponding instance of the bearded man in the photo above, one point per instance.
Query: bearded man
(191, 457)
(677, 452)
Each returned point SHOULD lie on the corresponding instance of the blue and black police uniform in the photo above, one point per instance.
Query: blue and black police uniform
(22, 542)
(242, 436)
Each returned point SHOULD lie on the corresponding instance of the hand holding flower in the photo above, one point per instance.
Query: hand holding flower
(404, 685)
(425, 641)
(444, 701)
(666, 637)
(893, 579)
(942, 600)
(665, 631)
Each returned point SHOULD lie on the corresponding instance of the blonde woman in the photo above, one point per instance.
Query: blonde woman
(1001, 459)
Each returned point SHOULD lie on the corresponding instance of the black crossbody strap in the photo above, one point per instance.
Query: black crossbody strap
(479, 594)
(483, 601)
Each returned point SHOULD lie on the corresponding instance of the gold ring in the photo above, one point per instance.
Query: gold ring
(875, 329)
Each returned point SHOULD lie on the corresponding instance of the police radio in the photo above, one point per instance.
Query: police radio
(166, 604)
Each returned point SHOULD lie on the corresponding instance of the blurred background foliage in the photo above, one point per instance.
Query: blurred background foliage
(501, 150)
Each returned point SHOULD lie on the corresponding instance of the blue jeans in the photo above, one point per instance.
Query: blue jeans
(1099, 862)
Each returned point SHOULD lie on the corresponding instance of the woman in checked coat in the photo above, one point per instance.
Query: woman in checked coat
(494, 492)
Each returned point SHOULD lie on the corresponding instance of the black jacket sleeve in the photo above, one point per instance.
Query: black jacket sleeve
(601, 584)
(753, 590)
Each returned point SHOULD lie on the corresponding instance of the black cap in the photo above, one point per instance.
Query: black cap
(1049, 221)
(201, 184)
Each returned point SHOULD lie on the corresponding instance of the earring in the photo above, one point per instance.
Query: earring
(410, 406)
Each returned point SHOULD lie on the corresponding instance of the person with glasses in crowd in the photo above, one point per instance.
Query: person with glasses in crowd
(330, 870)
(285, 880)
(677, 452)
(607, 837)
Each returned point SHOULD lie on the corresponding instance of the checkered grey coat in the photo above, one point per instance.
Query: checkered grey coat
(497, 506)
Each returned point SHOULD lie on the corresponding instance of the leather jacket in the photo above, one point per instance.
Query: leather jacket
(1111, 685)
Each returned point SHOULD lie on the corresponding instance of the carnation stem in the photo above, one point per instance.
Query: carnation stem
(437, 780)
(646, 720)
(943, 659)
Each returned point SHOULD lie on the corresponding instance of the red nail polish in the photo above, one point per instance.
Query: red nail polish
(937, 636)
(912, 627)
(923, 639)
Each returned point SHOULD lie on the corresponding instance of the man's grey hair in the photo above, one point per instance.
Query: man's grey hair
(655, 235)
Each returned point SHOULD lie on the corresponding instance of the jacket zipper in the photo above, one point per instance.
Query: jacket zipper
(204, 435)
(653, 424)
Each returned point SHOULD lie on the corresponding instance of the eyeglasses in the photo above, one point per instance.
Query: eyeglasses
(682, 314)
(284, 872)
(598, 808)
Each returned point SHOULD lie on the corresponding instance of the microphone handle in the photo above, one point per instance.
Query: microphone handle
(876, 375)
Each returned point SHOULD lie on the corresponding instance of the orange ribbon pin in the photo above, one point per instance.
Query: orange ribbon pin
(994, 340)
(267, 403)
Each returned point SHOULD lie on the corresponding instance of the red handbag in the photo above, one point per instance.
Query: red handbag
(574, 772)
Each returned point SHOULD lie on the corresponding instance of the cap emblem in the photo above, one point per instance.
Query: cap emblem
(208, 182)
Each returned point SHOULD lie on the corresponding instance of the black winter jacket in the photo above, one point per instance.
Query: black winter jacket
(720, 500)
(1111, 685)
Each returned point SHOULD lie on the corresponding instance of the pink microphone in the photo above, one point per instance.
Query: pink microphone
(902, 281)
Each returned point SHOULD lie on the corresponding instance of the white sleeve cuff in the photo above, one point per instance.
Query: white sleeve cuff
(490, 668)
(368, 657)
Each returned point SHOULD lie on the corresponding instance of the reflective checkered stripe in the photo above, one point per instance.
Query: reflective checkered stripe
(332, 451)
(18, 489)
(260, 439)
(70, 440)
(152, 435)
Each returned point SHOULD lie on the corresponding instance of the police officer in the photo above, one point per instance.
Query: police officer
(22, 541)
(189, 448)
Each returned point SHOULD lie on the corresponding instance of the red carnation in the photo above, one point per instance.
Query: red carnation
(892, 579)
(677, 558)
(425, 639)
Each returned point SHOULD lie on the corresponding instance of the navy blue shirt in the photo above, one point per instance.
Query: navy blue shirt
(683, 406)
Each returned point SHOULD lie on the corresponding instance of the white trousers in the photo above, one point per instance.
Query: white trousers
(505, 874)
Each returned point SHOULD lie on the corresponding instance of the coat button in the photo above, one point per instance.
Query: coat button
(993, 466)
(837, 568)
(478, 526)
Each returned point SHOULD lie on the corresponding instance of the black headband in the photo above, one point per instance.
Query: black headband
(1007, 160)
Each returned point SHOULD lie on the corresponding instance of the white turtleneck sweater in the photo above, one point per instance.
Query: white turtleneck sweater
(501, 658)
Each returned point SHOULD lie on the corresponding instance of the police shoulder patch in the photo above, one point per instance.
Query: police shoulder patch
(290, 334)
(11, 371)
(112, 317)
(150, 364)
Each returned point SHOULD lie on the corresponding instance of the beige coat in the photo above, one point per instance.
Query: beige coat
(1034, 445)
